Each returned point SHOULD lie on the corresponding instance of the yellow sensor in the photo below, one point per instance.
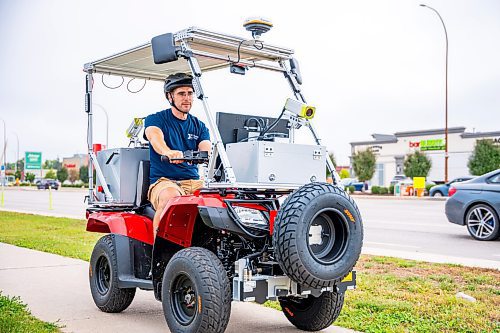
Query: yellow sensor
(300, 109)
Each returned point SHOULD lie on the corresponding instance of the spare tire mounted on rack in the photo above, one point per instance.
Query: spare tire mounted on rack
(318, 235)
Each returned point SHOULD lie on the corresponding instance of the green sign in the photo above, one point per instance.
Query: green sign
(33, 161)
(435, 144)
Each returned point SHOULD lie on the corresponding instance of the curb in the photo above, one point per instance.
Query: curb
(393, 197)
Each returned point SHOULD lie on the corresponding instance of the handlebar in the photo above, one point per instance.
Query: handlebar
(190, 156)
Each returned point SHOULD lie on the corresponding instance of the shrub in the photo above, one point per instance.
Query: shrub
(417, 165)
(384, 190)
(391, 189)
(375, 189)
(351, 189)
(74, 185)
(344, 173)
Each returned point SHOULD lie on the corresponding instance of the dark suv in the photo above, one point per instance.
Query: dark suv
(46, 183)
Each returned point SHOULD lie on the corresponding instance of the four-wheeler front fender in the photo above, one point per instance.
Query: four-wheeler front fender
(179, 216)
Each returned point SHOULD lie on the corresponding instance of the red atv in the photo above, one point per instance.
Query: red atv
(265, 227)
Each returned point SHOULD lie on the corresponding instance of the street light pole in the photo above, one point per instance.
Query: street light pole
(4, 146)
(17, 156)
(3, 180)
(107, 121)
(446, 97)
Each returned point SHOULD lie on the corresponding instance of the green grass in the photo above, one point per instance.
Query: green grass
(63, 236)
(16, 318)
(392, 295)
(397, 295)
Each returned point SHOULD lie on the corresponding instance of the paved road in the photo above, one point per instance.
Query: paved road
(56, 289)
(418, 229)
(65, 202)
(405, 228)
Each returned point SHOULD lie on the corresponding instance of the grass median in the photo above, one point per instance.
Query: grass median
(393, 295)
(16, 318)
(63, 236)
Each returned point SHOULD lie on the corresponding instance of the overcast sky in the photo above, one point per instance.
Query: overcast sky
(368, 66)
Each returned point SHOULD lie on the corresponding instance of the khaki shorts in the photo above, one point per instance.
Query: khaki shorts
(184, 187)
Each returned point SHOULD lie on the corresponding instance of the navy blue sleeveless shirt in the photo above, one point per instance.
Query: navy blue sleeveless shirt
(179, 135)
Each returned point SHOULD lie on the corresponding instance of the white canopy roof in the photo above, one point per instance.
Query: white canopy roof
(212, 50)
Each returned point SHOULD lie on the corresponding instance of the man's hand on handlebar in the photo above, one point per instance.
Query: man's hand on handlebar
(173, 156)
(190, 156)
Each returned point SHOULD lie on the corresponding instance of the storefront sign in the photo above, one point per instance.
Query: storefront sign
(424, 145)
(375, 149)
(69, 166)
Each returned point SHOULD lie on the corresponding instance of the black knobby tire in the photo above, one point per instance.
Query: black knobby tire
(313, 313)
(318, 235)
(196, 295)
(103, 276)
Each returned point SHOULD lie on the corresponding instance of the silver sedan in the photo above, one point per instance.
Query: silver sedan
(476, 204)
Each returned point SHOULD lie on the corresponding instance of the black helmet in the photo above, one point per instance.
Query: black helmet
(177, 80)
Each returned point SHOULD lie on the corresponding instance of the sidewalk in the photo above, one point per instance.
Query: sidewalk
(56, 289)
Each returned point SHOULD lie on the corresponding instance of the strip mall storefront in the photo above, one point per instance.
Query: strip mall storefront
(75, 162)
(391, 149)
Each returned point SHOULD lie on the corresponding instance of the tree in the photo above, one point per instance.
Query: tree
(51, 174)
(30, 177)
(484, 158)
(363, 163)
(328, 173)
(73, 175)
(84, 174)
(62, 174)
(18, 174)
(20, 164)
(52, 164)
(417, 165)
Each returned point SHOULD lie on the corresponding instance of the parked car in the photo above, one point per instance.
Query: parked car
(358, 186)
(442, 190)
(397, 179)
(476, 204)
(44, 184)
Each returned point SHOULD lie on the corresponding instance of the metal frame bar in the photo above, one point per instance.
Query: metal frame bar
(93, 163)
(218, 148)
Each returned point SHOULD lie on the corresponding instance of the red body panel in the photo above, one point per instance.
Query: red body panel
(178, 218)
(123, 223)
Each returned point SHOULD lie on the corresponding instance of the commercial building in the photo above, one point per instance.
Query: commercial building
(391, 149)
(75, 162)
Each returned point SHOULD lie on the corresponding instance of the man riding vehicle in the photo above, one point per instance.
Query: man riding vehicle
(170, 132)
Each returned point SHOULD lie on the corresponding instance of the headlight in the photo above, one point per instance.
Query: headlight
(251, 217)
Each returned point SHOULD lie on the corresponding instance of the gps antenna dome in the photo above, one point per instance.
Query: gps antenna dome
(257, 26)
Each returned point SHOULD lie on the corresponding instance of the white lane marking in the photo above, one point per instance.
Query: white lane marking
(403, 223)
(392, 244)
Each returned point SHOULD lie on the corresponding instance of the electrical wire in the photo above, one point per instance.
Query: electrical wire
(270, 127)
(109, 87)
(239, 50)
(135, 92)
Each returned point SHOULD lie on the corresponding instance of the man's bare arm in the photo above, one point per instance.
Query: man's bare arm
(205, 145)
(157, 141)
